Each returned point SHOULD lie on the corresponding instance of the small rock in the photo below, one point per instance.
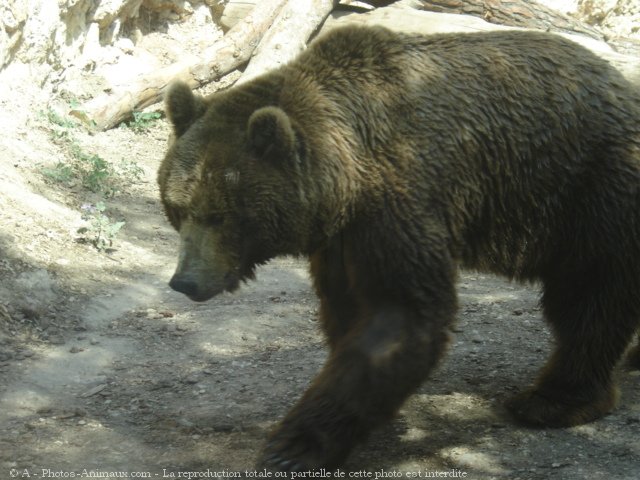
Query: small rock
(183, 422)
(162, 383)
(94, 390)
(76, 350)
(77, 412)
(192, 379)
(5, 355)
(222, 427)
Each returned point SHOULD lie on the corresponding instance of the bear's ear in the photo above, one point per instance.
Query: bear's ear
(271, 134)
(183, 107)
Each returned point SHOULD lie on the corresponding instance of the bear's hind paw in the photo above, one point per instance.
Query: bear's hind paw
(537, 408)
(633, 358)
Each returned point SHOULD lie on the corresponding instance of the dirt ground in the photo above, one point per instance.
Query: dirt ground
(105, 370)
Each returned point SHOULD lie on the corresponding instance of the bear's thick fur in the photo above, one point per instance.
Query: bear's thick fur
(391, 160)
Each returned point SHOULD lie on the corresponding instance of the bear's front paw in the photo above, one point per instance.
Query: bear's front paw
(276, 463)
(539, 408)
(291, 454)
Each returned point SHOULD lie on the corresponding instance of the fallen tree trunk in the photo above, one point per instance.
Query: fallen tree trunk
(288, 35)
(514, 13)
(299, 19)
(232, 51)
(404, 19)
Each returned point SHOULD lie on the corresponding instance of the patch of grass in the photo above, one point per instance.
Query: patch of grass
(89, 170)
(60, 127)
(61, 172)
(142, 121)
(56, 119)
(130, 170)
(99, 230)
(93, 171)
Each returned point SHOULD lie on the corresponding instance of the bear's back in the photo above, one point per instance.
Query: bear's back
(505, 132)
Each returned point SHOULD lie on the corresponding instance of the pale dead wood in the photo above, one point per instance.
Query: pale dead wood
(233, 50)
(402, 18)
(288, 35)
(515, 13)
(286, 25)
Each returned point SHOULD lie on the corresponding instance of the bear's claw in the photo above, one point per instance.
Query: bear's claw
(276, 463)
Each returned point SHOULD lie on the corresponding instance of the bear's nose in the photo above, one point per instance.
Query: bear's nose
(183, 285)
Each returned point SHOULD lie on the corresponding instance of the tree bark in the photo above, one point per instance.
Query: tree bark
(233, 50)
(288, 35)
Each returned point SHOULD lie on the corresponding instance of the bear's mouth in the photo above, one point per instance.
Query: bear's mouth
(200, 291)
(203, 296)
(200, 286)
(229, 284)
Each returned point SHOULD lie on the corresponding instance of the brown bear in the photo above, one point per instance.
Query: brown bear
(391, 160)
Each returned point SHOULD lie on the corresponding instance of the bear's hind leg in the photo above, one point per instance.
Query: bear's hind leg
(633, 358)
(593, 316)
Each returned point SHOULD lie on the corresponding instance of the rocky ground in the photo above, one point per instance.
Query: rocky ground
(103, 369)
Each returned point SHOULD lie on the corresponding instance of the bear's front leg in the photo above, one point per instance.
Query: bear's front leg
(369, 373)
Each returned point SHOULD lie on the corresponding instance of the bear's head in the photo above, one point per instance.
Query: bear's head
(231, 185)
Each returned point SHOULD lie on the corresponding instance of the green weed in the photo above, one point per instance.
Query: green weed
(130, 170)
(93, 171)
(56, 119)
(99, 230)
(142, 121)
(61, 172)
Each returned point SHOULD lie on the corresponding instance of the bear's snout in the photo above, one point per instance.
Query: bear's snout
(184, 284)
(194, 285)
